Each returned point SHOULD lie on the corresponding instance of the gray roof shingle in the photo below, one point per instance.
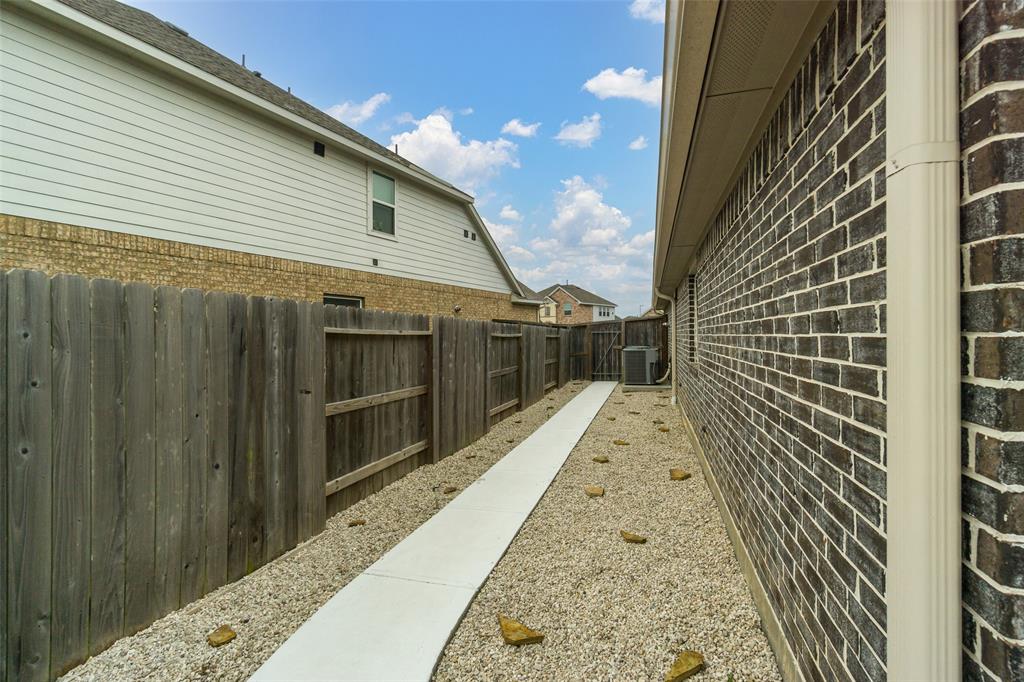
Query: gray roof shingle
(580, 294)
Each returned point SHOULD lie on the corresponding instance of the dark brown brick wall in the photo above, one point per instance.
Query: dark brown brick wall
(786, 387)
(992, 344)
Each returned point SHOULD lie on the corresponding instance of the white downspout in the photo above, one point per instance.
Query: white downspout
(671, 338)
(922, 223)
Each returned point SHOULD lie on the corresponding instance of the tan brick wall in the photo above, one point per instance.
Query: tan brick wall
(580, 313)
(58, 248)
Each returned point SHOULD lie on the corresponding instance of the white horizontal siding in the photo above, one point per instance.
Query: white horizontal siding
(89, 138)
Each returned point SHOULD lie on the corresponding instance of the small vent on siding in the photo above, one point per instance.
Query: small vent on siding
(375, 261)
(473, 236)
(318, 148)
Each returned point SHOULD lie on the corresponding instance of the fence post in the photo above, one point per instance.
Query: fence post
(622, 344)
(488, 329)
(433, 398)
(522, 367)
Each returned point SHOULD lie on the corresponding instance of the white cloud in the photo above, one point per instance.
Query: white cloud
(504, 235)
(651, 10)
(580, 134)
(438, 147)
(631, 83)
(509, 213)
(519, 253)
(591, 243)
(638, 144)
(466, 111)
(520, 129)
(354, 113)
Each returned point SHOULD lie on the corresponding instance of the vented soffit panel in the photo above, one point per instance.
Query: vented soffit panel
(757, 47)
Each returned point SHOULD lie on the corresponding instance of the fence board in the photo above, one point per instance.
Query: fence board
(238, 485)
(70, 501)
(170, 470)
(5, 456)
(140, 609)
(310, 420)
(107, 581)
(273, 433)
(29, 476)
(289, 445)
(194, 445)
(256, 325)
(218, 444)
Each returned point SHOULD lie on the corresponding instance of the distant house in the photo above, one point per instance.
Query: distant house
(570, 304)
(135, 152)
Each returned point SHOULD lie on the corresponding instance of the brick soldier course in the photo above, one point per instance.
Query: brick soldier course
(58, 248)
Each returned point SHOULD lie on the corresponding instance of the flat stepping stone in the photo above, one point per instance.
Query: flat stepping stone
(517, 634)
(611, 419)
(593, 490)
(449, 490)
(620, 442)
(220, 636)
(687, 664)
(633, 412)
(632, 537)
(600, 459)
(678, 474)
(356, 522)
(664, 429)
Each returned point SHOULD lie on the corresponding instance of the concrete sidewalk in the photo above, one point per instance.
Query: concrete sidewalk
(393, 621)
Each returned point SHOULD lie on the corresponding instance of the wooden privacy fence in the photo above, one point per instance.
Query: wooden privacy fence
(159, 443)
(595, 350)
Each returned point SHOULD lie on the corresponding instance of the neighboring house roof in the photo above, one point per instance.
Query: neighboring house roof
(529, 295)
(579, 293)
(175, 42)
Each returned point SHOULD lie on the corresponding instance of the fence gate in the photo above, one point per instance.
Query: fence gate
(605, 344)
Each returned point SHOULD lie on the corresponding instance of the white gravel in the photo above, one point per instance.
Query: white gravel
(612, 610)
(265, 608)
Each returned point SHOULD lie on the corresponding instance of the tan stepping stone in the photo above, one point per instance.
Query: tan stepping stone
(611, 419)
(449, 490)
(632, 537)
(633, 412)
(356, 522)
(678, 474)
(470, 456)
(620, 442)
(220, 636)
(664, 429)
(517, 634)
(593, 490)
(511, 440)
(687, 664)
(601, 459)
(657, 421)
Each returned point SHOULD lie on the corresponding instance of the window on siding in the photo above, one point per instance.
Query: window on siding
(567, 309)
(347, 301)
(383, 210)
(691, 322)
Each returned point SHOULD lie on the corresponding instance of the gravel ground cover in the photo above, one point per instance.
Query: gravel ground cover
(611, 610)
(266, 607)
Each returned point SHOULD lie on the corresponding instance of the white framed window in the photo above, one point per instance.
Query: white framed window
(383, 203)
(567, 308)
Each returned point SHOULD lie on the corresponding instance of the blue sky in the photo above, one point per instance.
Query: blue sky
(566, 199)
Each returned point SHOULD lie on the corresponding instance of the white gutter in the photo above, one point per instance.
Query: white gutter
(922, 152)
(671, 336)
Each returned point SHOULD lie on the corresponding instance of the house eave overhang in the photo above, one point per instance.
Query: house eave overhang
(727, 66)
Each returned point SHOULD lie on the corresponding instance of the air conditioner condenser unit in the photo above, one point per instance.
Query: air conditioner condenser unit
(641, 364)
